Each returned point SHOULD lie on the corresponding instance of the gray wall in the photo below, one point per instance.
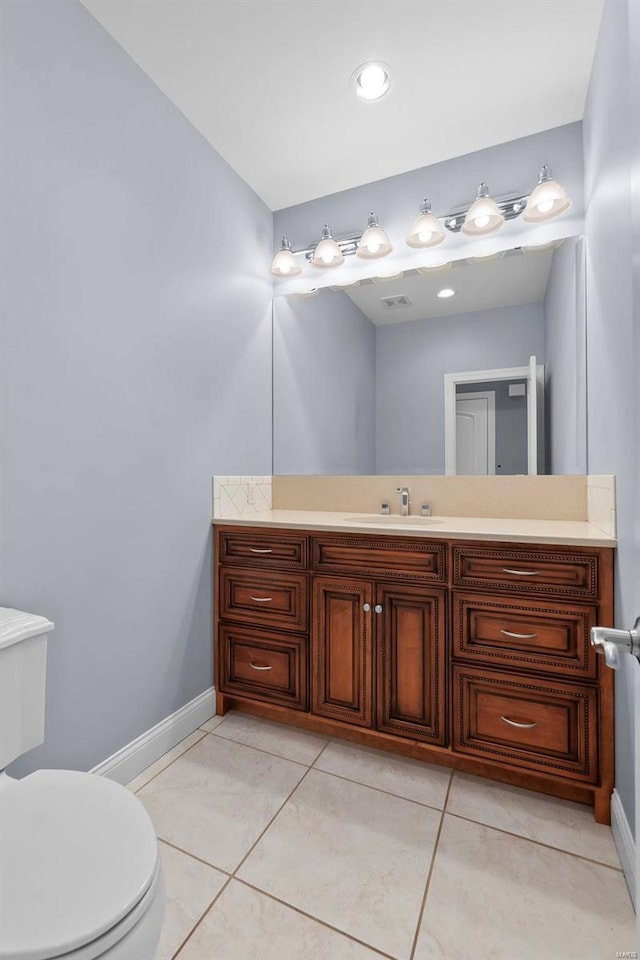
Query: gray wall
(565, 370)
(506, 167)
(511, 425)
(411, 361)
(323, 386)
(613, 338)
(136, 347)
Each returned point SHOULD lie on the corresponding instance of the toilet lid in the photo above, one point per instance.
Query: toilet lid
(77, 853)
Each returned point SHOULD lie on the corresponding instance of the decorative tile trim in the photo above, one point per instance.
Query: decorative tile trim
(601, 503)
(241, 496)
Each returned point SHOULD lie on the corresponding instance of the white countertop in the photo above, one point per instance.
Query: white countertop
(562, 532)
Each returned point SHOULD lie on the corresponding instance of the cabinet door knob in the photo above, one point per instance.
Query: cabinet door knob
(378, 608)
(366, 607)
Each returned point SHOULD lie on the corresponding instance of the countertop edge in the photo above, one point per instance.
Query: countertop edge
(434, 532)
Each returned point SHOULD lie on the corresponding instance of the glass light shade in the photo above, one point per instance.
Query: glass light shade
(426, 230)
(284, 264)
(542, 247)
(327, 253)
(487, 257)
(483, 216)
(383, 276)
(374, 242)
(426, 271)
(547, 200)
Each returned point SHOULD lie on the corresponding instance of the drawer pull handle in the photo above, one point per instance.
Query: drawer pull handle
(519, 636)
(521, 726)
(261, 550)
(521, 573)
(258, 666)
(260, 599)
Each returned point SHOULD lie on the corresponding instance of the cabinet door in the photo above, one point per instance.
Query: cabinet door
(341, 650)
(410, 635)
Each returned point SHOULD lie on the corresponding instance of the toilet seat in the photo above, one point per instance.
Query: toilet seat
(79, 858)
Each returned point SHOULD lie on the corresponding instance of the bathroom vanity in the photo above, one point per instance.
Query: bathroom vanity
(457, 642)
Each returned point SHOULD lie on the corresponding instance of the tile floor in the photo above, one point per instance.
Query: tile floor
(283, 845)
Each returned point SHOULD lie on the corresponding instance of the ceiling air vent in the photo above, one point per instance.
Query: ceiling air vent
(394, 303)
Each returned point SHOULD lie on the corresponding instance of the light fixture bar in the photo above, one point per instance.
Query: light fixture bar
(348, 246)
(510, 207)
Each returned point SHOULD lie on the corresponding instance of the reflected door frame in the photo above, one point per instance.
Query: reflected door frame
(535, 406)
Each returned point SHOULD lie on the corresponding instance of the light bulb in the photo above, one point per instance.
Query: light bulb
(424, 235)
(481, 222)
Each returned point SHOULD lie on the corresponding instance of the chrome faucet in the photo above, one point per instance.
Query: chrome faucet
(404, 500)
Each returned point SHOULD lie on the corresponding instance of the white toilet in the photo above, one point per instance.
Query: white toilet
(80, 873)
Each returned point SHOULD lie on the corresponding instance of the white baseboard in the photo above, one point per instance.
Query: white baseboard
(624, 843)
(136, 756)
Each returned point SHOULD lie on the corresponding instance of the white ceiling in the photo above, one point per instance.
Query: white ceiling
(516, 279)
(267, 82)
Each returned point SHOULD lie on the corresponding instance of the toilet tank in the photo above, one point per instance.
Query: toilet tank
(23, 669)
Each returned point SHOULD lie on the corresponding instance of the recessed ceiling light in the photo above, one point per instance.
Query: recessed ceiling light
(372, 80)
(446, 292)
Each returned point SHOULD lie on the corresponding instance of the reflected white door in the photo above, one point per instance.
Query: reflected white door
(476, 433)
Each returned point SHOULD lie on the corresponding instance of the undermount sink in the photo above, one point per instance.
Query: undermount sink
(396, 520)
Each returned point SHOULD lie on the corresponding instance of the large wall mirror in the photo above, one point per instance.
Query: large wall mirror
(476, 368)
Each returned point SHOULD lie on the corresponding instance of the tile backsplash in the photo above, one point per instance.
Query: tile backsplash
(601, 503)
(239, 496)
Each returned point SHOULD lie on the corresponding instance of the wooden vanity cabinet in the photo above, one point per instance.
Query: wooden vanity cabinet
(475, 655)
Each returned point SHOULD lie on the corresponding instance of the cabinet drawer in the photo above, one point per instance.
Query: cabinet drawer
(263, 665)
(536, 724)
(264, 598)
(561, 573)
(525, 635)
(404, 558)
(259, 548)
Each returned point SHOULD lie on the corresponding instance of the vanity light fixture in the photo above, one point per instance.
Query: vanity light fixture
(372, 80)
(284, 264)
(484, 215)
(374, 242)
(547, 200)
(426, 230)
(445, 293)
(327, 253)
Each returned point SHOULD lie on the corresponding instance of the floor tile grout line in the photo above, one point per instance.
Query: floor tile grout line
(251, 746)
(538, 843)
(387, 793)
(311, 916)
(201, 917)
(416, 936)
(171, 762)
(194, 856)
